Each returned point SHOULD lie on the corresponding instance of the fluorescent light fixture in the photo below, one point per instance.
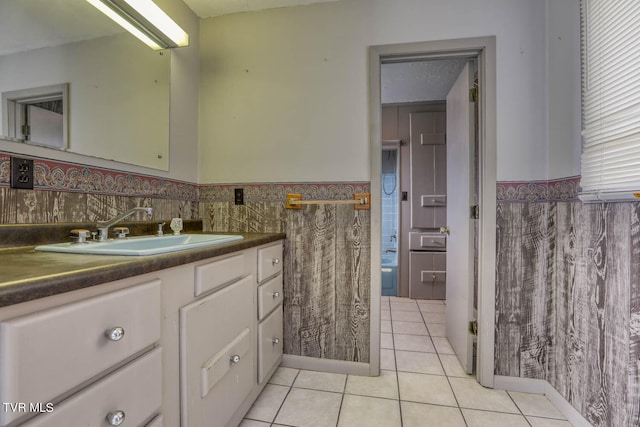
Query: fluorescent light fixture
(145, 20)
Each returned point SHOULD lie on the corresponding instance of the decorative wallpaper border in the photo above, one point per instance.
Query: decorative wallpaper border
(274, 192)
(557, 190)
(53, 175)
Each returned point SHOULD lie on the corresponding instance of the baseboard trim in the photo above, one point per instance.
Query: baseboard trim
(565, 407)
(531, 385)
(325, 365)
(523, 385)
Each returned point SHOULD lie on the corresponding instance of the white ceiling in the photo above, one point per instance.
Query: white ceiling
(209, 8)
(419, 81)
(32, 24)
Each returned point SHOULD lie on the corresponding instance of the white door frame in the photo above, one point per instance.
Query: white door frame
(485, 49)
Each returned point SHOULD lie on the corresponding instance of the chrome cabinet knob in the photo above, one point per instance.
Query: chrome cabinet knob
(235, 359)
(276, 295)
(115, 418)
(275, 261)
(115, 334)
(275, 341)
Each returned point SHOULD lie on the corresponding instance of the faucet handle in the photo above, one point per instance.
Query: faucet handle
(121, 232)
(80, 235)
(160, 232)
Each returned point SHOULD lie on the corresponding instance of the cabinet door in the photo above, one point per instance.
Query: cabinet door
(270, 343)
(428, 170)
(217, 354)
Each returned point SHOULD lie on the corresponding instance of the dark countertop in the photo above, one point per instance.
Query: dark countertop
(26, 274)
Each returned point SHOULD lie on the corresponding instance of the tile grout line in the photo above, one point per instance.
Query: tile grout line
(393, 340)
(445, 372)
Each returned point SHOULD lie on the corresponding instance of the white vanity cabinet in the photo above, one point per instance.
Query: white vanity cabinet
(270, 298)
(230, 336)
(50, 354)
(188, 346)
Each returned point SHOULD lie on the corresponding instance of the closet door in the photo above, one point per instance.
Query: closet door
(428, 170)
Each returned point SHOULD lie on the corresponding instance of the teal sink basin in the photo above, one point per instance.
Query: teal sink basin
(145, 245)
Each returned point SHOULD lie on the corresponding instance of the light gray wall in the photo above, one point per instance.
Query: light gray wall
(284, 92)
(563, 68)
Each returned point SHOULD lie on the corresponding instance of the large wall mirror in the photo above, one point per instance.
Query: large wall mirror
(65, 67)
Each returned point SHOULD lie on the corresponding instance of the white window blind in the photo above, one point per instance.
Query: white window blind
(610, 100)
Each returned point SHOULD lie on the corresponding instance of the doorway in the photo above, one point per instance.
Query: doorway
(484, 50)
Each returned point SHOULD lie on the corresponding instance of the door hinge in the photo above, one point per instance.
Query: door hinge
(473, 328)
(475, 212)
(26, 131)
(473, 94)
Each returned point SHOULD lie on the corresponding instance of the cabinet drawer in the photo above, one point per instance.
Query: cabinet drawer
(427, 241)
(269, 296)
(75, 344)
(269, 261)
(135, 389)
(217, 273)
(427, 275)
(212, 329)
(270, 343)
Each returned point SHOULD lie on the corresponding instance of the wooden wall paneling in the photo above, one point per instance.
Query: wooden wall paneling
(64, 206)
(608, 339)
(533, 343)
(8, 206)
(550, 327)
(103, 207)
(216, 216)
(633, 369)
(508, 286)
(163, 209)
(605, 278)
(27, 209)
(318, 290)
(577, 351)
(352, 285)
(293, 281)
(238, 218)
(263, 217)
(567, 352)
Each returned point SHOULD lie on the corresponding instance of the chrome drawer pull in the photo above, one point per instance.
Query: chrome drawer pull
(275, 261)
(275, 341)
(115, 334)
(235, 359)
(115, 418)
(276, 295)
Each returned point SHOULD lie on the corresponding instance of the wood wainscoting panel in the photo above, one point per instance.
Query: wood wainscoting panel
(633, 404)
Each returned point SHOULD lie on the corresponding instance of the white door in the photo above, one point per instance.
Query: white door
(460, 134)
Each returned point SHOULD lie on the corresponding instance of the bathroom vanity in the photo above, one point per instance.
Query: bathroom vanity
(182, 339)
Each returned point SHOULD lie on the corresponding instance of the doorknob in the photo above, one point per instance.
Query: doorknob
(445, 230)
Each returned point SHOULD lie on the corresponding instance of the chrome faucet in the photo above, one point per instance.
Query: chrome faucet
(103, 226)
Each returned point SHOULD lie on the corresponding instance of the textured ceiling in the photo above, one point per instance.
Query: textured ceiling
(419, 81)
(209, 8)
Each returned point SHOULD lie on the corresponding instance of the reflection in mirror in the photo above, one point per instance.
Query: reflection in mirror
(118, 89)
(37, 115)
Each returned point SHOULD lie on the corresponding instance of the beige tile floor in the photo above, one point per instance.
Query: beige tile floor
(421, 384)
